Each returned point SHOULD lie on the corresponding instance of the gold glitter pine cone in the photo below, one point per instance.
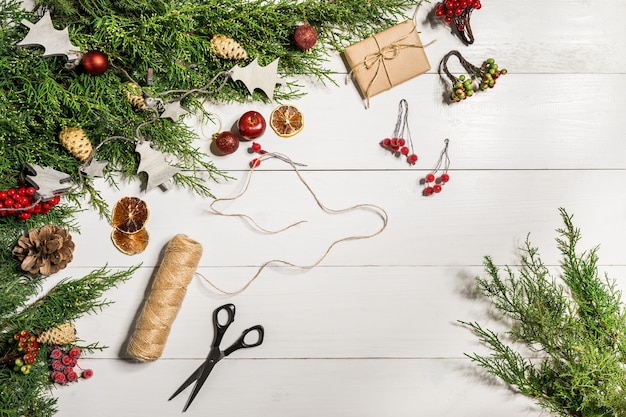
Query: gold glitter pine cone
(135, 96)
(62, 334)
(44, 251)
(228, 48)
(76, 142)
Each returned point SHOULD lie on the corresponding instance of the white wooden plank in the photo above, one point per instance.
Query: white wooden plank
(542, 121)
(551, 36)
(294, 388)
(477, 213)
(330, 312)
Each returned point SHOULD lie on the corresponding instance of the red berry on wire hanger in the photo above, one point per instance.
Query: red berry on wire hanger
(401, 136)
(433, 184)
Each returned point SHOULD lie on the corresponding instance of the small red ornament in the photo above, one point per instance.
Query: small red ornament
(305, 37)
(95, 62)
(226, 142)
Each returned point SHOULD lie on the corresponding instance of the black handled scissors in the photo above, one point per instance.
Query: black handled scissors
(216, 354)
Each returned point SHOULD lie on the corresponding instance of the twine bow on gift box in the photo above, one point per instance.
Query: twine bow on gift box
(377, 60)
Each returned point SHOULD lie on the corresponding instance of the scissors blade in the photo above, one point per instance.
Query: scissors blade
(206, 370)
(193, 377)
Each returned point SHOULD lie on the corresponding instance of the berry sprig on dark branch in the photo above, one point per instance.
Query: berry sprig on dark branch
(483, 77)
(457, 14)
(397, 144)
(22, 353)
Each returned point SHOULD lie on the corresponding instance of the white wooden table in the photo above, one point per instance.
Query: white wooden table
(372, 331)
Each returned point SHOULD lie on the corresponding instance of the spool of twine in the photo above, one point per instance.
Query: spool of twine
(165, 298)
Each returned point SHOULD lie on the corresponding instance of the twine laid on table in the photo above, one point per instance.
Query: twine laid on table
(177, 268)
(379, 210)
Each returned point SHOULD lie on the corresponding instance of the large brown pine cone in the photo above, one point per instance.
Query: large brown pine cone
(45, 251)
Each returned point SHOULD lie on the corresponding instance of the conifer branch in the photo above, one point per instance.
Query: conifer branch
(574, 327)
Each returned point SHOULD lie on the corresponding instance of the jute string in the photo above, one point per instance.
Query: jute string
(379, 210)
(165, 298)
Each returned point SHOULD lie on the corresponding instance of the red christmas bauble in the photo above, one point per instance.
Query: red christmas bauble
(305, 37)
(95, 62)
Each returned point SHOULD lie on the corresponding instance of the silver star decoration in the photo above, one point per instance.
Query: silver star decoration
(154, 163)
(54, 41)
(94, 168)
(173, 111)
(255, 76)
(48, 181)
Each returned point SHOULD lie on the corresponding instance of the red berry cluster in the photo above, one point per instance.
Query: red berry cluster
(256, 148)
(435, 184)
(62, 364)
(23, 202)
(398, 147)
(28, 347)
(457, 12)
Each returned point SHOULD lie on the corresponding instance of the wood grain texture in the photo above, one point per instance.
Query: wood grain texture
(374, 329)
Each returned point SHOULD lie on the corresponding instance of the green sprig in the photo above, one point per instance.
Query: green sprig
(566, 342)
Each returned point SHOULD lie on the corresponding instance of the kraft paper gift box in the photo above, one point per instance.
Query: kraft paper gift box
(386, 59)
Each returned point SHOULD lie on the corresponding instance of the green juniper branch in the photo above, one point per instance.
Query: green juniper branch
(574, 325)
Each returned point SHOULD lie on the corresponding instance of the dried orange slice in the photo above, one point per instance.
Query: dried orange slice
(130, 215)
(130, 244)
(286, 120)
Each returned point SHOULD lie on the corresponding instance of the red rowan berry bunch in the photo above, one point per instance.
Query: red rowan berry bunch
(23, 202)
(28, 349)
(457, 14)
(397, 144)
(63, 364)
(462, 87)
(434, 181)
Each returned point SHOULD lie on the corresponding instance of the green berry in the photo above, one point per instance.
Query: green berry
(462, 77)
(503, 71)
(490, 60)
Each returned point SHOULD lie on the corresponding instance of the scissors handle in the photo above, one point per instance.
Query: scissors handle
(220, 328)
(241, 343)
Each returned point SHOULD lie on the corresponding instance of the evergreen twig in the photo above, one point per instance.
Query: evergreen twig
(575, 326)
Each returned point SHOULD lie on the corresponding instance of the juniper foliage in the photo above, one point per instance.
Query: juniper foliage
(566, 341)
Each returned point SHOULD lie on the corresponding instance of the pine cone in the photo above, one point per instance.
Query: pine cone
(228, 48)
(45, 251)
(62, 334)
(135, 96)
(76, 142)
